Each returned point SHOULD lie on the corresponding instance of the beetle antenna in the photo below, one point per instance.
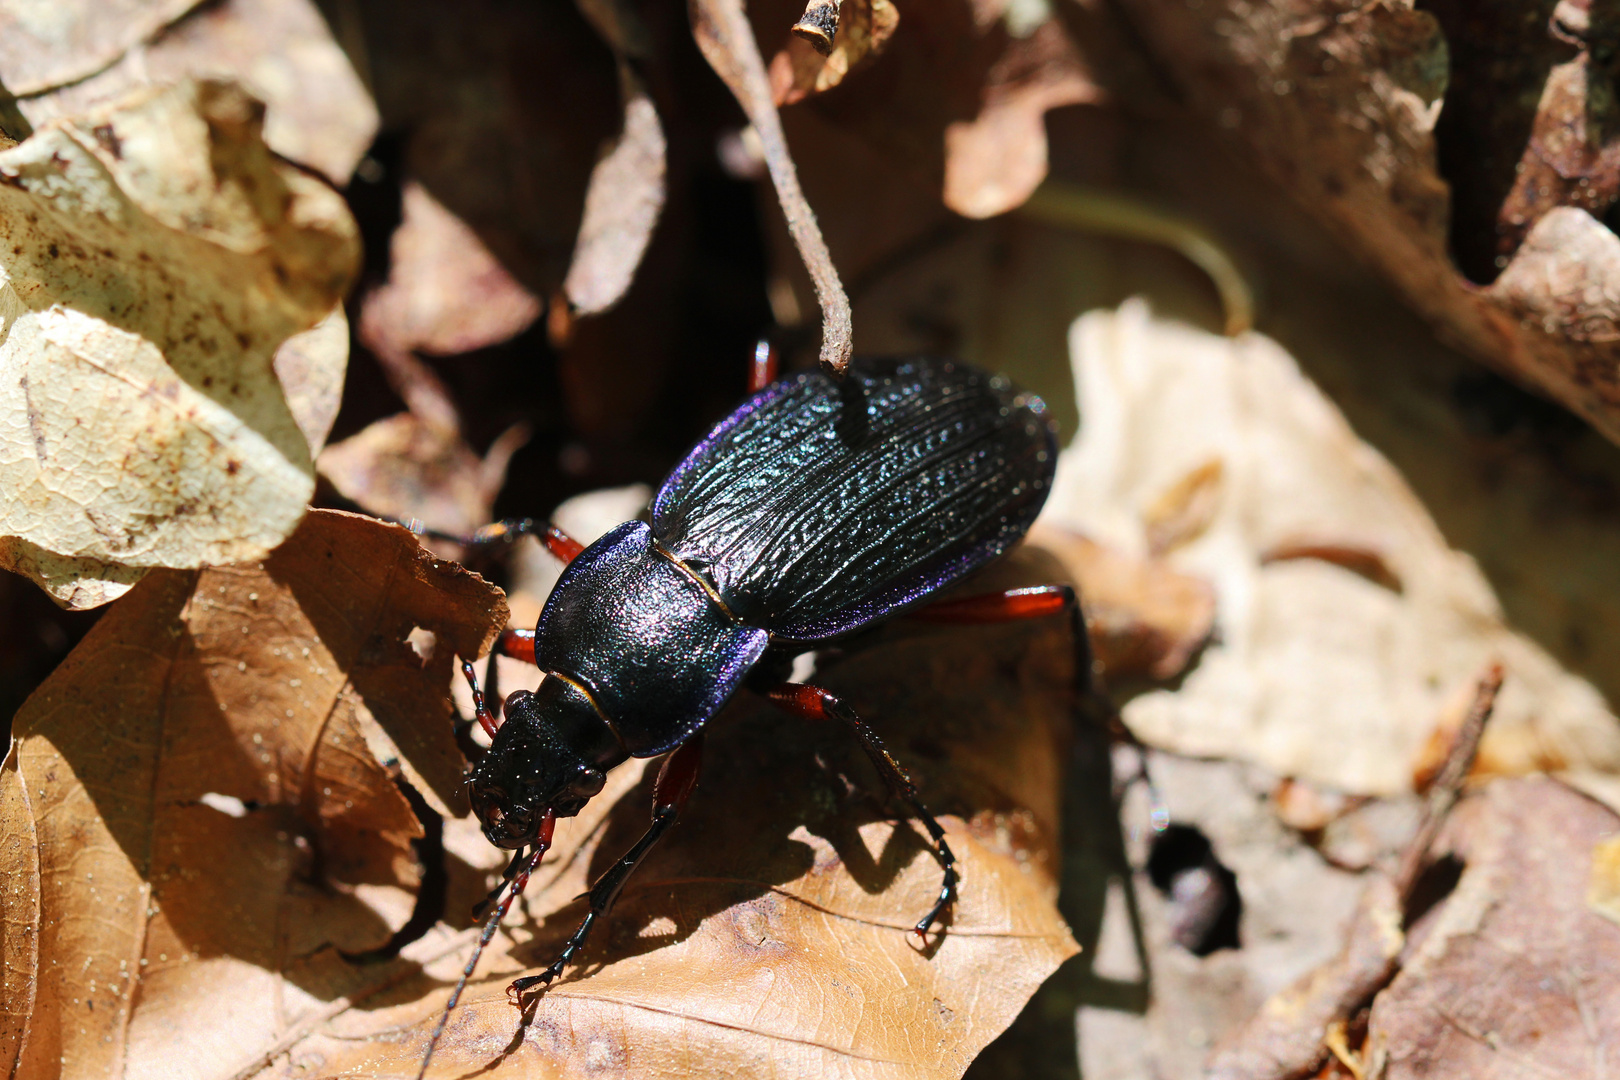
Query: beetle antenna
(518, 880)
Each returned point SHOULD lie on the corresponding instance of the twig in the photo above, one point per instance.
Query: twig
(1091, 210)
(1447, 786)
(723, 34)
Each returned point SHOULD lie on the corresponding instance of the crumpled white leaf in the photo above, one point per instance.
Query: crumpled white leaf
(320, 113)
(1318, 671)
(153, 258)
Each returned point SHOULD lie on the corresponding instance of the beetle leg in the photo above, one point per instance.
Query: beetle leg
(518, 644)
(1034, 602)
(559, 543)
(814, 703)
(675, 781)
(1030, 602)
(763, 370)
(486, 719)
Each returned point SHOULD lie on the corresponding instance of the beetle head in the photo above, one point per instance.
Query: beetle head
(549, 754)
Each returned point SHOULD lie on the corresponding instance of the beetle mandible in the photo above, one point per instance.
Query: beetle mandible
(816, 509)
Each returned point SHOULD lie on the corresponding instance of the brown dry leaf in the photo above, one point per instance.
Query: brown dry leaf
(1513, 973)
(1145, 619)
(1318, 673)
(622, 205)
(768, 935)
(405, 467)
(157, 258)
(43, 46)
(996, 160)
(1344, 105)
(19, 913)
(214, 822)
(446, 292)
(320, 114)
(799, 69)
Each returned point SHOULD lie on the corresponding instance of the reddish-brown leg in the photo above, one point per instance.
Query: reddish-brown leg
(515, 643)
(1030, 602)
(557, 542)
(1039, 601)
(676, 779)
(763, 371)
(814, 703)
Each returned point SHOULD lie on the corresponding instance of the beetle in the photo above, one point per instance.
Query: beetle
(819, 507)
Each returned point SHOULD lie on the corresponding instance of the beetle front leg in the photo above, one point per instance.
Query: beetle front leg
(814, 703)
(675, 781)
(559, 543)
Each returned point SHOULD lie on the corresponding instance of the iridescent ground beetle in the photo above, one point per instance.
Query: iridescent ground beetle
(818, 508)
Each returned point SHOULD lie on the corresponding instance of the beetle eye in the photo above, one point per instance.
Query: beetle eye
(588, 783)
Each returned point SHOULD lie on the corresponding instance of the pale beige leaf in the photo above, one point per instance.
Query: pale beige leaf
(1318, 672)
(446, 292)
(622, 205)
(320, 114)
(994, 161)
(156, 259)
(48, 43)
(310, 367)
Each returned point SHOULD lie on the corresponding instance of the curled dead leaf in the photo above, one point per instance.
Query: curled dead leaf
(996, 160)
(1433, 137)
(769, 931)
(403, 467)
(157, 257)
(622, 205)
(446, 292)
(215, 827)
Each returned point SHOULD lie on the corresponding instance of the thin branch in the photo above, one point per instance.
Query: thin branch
(722, 31)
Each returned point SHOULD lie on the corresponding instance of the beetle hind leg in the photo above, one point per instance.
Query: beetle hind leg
(814, 703)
